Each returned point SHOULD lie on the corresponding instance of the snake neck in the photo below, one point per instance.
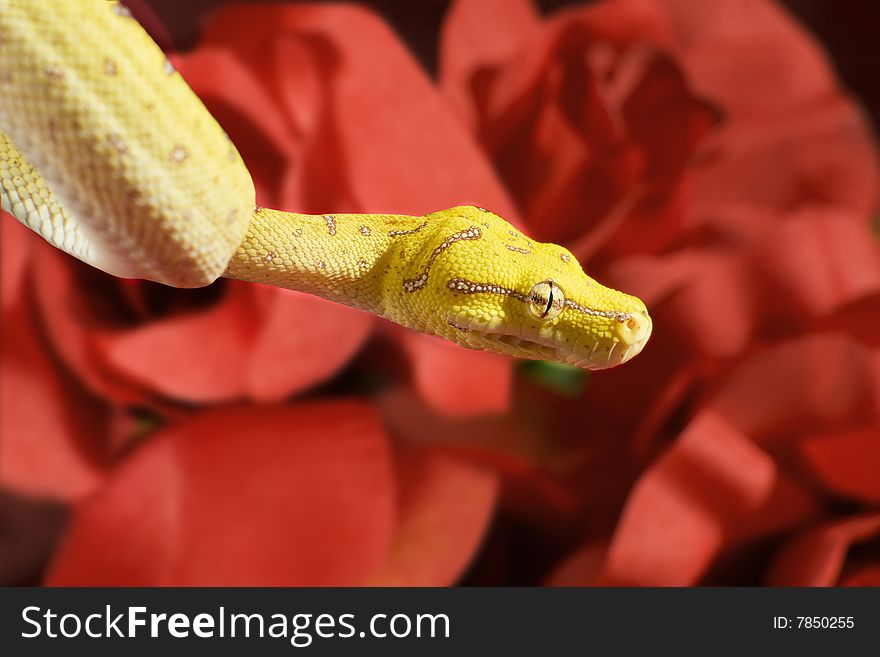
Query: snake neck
(347, 258)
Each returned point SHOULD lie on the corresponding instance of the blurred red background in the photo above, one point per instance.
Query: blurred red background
(708, 157)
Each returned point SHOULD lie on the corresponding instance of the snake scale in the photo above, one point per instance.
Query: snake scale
(108, 154)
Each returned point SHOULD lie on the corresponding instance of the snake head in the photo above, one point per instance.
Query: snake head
(505, 293)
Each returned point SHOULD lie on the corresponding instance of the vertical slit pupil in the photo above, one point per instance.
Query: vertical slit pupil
(549, 302)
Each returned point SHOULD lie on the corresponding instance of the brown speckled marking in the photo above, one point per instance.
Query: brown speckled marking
(413, 284)
(363, 264)
(298, 232)
(270, 256)
(396, 233)
(179, 154)
(585, 310)
(522, 237)
(364, 230)
(320, 264)
(331, 223)
(470, 287)
(463, 329)
(517, 249)
(117, 143)
(55, 72)
(109, 67)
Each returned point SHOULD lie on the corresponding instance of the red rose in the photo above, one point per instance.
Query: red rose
(703, 156)
(582, 113)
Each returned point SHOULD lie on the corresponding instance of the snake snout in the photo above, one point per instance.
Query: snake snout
(633, 331)
(634, 328)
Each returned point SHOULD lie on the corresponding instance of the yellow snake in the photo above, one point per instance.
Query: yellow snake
(108, 154)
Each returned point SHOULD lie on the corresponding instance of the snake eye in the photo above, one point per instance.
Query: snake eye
(546, 300)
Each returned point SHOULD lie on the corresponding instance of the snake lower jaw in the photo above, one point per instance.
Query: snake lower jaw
(519, 347)
(595, 355)
(612, 355)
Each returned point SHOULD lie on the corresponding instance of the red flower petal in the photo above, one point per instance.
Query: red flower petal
(384, 115)
(666, 120)
(15, 242)
(580, 113)
(674, 521)
(468, 51)
(303, 341)
(715, 312)
(787, 507)
(48, 423)
(30, 531)
(867, 576)
(457, 381)
(486, 69)
(792, 135)
(247, 496)
(705, 297)
(858, 319)
(269, 343)
(815, 383)
(198, 357)
(749, 54)
(248, 112)
(581, 568)
(146, 16)
(817, 260)
(847, 462)
(61, 303)
(821, 155)
(444, 508)
(498, 443)
(816, 557)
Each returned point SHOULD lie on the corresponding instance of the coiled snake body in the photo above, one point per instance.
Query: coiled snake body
(109, 155)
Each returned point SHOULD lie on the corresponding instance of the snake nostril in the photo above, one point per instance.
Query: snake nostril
(635, 328)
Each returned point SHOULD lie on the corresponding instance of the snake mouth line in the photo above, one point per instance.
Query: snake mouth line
(523, 347)
(599, 357)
